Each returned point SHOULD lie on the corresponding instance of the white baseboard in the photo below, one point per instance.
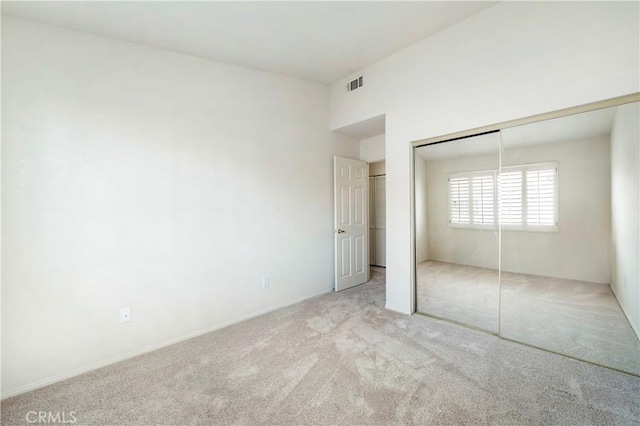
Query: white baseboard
(626, 314)
(109, 361)
(396, 309)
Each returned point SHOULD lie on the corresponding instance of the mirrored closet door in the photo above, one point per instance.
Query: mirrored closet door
(457, 231)
(569, 215)
(532, 233)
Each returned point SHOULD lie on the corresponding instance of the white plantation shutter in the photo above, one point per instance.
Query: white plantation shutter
(529, 197)
(459, 200)
(510, 195)
(522, 197)
(541, 197)
(483, 197)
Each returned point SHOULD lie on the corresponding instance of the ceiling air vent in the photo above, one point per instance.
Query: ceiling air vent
(353, 85)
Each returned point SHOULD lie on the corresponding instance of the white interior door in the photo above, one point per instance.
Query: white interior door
(351, 207)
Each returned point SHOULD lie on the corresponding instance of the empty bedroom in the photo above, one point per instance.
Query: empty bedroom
(320, 213)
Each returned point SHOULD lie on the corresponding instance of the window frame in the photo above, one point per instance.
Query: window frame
(524, 226)
(470, 176)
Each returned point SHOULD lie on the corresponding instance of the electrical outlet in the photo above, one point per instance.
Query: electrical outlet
(125, 315)
(265, 281)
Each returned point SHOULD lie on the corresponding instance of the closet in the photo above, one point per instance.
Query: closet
(529, 231)
(377, 216)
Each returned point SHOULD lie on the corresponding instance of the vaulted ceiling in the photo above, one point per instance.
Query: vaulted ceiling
(317, 41)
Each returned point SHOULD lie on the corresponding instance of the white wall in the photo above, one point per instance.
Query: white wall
(139, 177)
(376, 169)
(372, 149)
(512, 60)
(578, 251)
(625, 213)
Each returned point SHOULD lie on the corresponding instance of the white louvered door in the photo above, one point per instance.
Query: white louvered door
(380, 221)
(372, 221)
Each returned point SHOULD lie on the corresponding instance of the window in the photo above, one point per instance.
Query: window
(483, 197)
(541, 197)
(510, 188)
(520, 198)
(529, 197)
(459, 200)
(472, 200)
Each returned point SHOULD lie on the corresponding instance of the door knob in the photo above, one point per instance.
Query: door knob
(341, 231)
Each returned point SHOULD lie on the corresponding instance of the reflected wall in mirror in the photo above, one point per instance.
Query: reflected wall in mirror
(569, 212)
(457, 232)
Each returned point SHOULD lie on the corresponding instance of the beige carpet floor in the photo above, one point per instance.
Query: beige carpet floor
(466, 294)
(342, 359)
(575, 318)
